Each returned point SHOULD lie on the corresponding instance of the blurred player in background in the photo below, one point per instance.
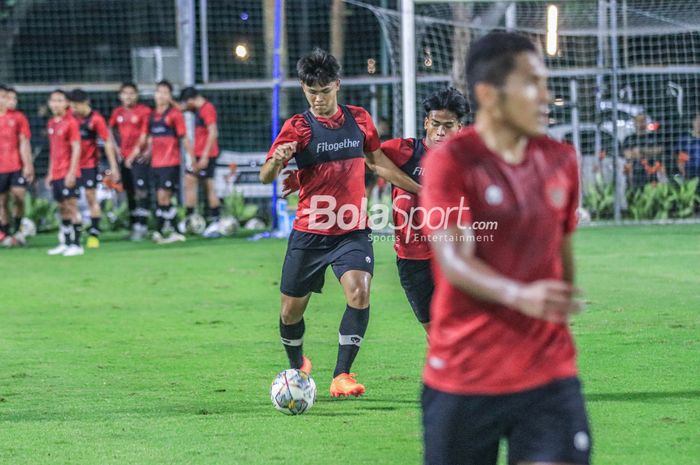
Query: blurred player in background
(64, 172)
(206, 150)
(16, 167)
(501, 362)
(128, 122)
(330, 143)
(165, 131)
(93, 127)
(444, 112)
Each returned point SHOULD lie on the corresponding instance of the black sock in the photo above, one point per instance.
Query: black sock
(5, 228)
(352, 331)
(67, 230)
(292, 338)
(170, 215)
(94, 226)
(160, 217)
(214, 214)
(18, 224)
(77, 229)
(189, 211)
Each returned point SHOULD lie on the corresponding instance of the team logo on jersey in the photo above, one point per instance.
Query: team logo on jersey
(494, 195)
(51, 131)
(555, 190)
(581, 441)
(120, 119)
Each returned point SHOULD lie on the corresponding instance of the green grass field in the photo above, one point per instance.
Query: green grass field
(138, 354)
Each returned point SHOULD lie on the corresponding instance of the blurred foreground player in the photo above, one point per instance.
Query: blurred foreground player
(16, 167)
(64, 173)
(330, 143)
(444, 111)
(501, 362)
(93, 128)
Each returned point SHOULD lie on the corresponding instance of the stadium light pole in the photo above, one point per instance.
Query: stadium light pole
(408, 67)
(277, 84)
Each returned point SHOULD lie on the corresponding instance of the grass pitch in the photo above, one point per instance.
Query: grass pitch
(139, 354)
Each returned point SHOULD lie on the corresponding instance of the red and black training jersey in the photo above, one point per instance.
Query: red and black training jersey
(481, 348)
(13, 124)
(92, 128)
(166, 129)
(62, 132)
(409, 240)
(204, 117)
(130, 122)
(330, 156)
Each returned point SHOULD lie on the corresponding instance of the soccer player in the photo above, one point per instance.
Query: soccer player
(64, 172)
(128, 122)
(330, 143)
(502, 201)
(92, 128)
(444, 111)
(166, 129)
(206, 149)
(16, 166)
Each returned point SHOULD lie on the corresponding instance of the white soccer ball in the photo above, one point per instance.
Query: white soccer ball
(255, 223)
(27, 227)
(228, 225)
(293, 392)
(193, 224)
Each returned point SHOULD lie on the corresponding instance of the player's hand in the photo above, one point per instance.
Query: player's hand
(28, 174)
(291, 183)
(47, 181)
(283, 153)
(70, 180)
(129, 161)
(549, 300)
(116, 176)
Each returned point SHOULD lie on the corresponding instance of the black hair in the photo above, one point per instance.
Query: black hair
(3, 87)
(58, 91)
(11, 89)
(449, 99)
(318, 68)
(78, 96)
(166, 83)
(188, 93)
(492, 58)
(126, 84)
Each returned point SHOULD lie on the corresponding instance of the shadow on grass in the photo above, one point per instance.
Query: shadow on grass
(637, 396)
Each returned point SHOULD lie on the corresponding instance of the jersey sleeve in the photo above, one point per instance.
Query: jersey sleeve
(113, 118)
(444, 193)
(145, 120)
(399, 151)
(572, 204)
(364, 121)
(73, 130)
(100, 127)
(208, 114)
(295, 129)
(24, 126)
(178, 122)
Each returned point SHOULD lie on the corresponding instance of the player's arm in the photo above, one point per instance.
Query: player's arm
(140, 151)
(280, 156)
(25, 153)
(212, 136)
(378, 162)
(567, 258)
(106, 136)
(549, 299)
(47, 179)
(74, 160)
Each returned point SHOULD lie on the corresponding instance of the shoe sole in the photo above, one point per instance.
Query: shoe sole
(355, 393)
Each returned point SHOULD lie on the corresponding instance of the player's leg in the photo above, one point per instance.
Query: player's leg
(60, 193)
(353, 265)
(212, 200)
(551, 426)
(191, 188)
(417, 282)
(93, 240)
(460, 430)
(4, 224)
(72, 211)
(128, 184)
(303, 272)
(18, 193)
(140, 179)
(163, 197)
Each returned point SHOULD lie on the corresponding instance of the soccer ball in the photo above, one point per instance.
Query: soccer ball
(254, 223)
(293, 392)
(27, 227)
(228, 225)
(193, 224)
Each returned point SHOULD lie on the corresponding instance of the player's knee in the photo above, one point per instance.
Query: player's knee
(358, 296)
(290, 314)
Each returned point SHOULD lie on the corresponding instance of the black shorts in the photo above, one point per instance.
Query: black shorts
(546, 424)
(207, 172)
(88, 178)
(308, 256)
(13, 179)
(167, 178)
(61, 192)
(418, 284)
(140, 175)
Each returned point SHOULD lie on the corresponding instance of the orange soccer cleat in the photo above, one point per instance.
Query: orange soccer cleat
(306, 366)
(345, 385)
